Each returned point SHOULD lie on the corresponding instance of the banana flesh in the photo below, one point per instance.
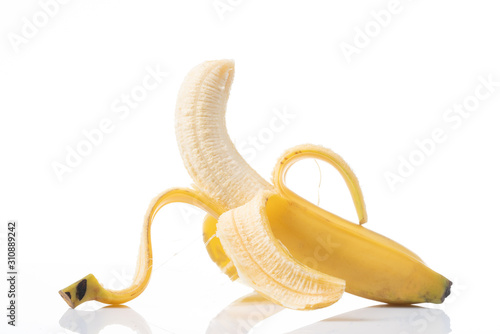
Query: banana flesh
(209, 155)
(264, 235)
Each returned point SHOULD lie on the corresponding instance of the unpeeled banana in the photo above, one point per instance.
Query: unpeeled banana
(266, 236)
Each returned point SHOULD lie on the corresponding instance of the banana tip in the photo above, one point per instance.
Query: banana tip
(225, 64)
(447, 291)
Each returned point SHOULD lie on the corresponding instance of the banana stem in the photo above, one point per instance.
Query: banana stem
(89, 288)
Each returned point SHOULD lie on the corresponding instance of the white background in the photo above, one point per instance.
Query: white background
(66, 77)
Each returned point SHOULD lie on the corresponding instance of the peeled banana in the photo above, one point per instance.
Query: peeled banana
(264, 235)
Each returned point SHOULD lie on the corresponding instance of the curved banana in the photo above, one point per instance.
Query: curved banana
(288, 249)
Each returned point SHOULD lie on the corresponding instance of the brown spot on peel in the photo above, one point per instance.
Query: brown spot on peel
(68, 294)
(81, 288)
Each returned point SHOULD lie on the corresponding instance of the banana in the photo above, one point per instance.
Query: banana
(264, 235)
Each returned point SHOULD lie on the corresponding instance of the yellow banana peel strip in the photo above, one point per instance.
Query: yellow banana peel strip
(305, 151)
(88, 288)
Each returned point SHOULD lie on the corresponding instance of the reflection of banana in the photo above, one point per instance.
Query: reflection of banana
(242, 315)
(383, 319)
(286, 248)
(93, 322)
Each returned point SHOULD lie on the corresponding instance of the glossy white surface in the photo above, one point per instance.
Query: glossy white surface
(245, 316)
